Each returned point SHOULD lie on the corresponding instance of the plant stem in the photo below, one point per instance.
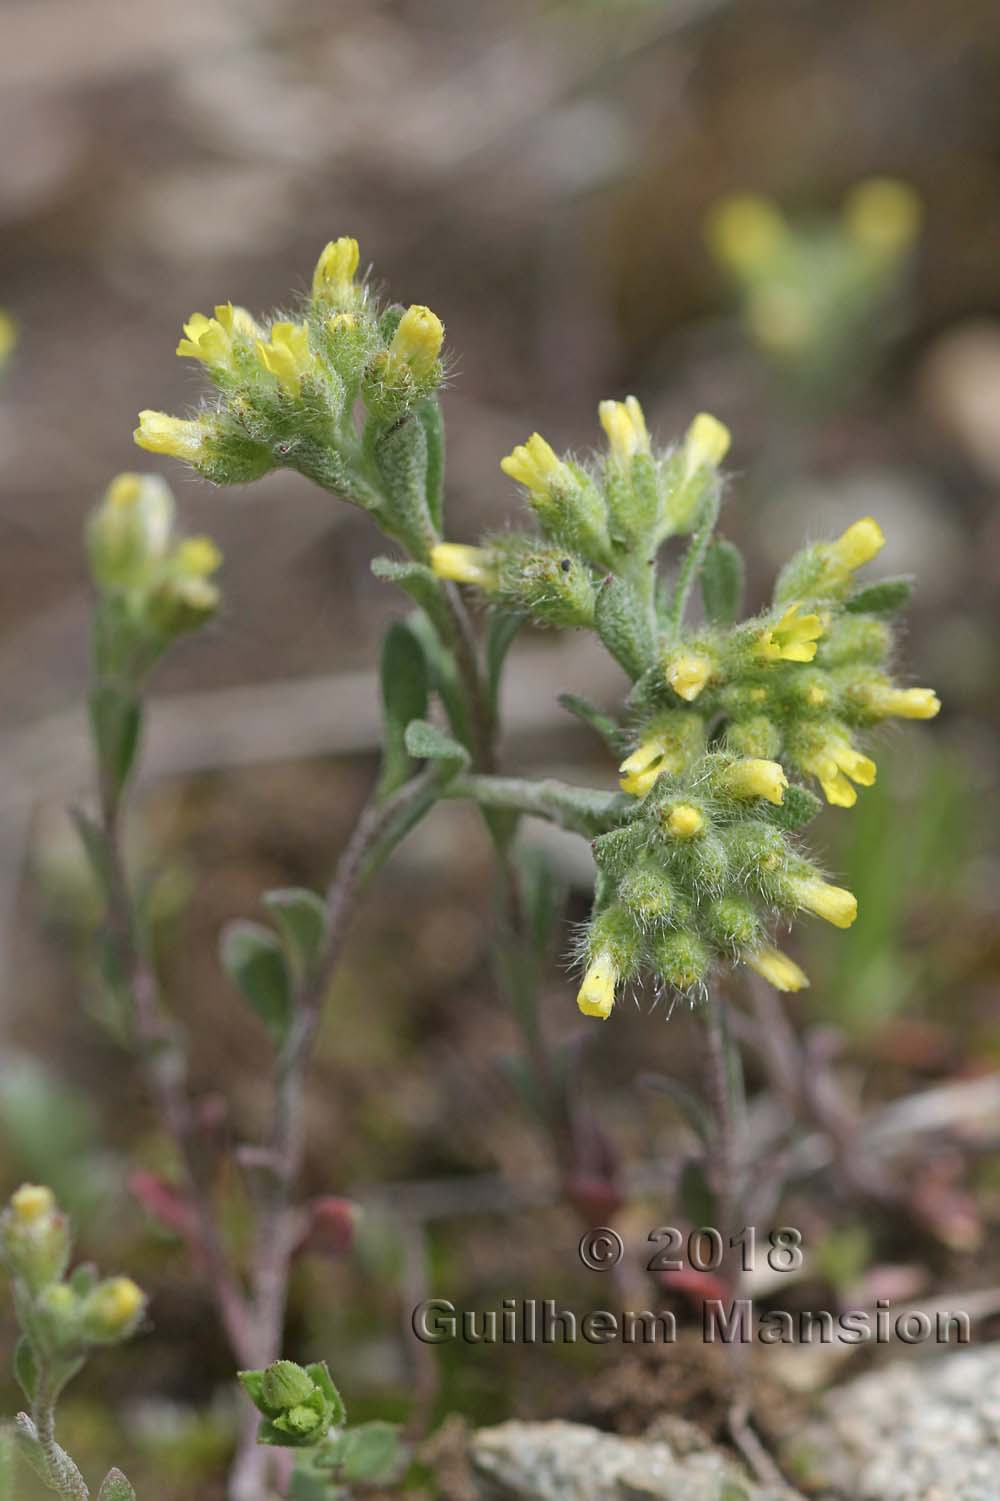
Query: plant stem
(583, 810)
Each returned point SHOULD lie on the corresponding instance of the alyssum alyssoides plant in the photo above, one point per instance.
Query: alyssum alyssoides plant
(727, 724)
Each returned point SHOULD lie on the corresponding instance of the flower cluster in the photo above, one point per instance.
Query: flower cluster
(702, 864)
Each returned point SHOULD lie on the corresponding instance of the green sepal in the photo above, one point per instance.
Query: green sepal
(721, 580)
(115, 1487)
(26, 1368)
(883, 598)
(116, 722)
(254, 960)
(252, 1383)
(320, 1373)
(608, 729)
(405, 696)
(300, 917)
(623, 626)
(799, 807)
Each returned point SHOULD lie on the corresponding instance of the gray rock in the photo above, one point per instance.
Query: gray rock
(920, 1431)
(570, 1462)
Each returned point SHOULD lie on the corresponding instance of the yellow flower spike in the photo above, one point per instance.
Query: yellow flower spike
(792, 639)
(778, 970)
(883, 215)
(625, 426)
(901, 703)
(754, 777)
(287, 355)
(833, 903)
(31, 1203)
(198, 557)
(596, 995)
(706, 444)
(745, 232)
(537, 467)
(462, 564)
(417, 341)
(158, 433)
(333, 278)
(684, 821)
(859, 544)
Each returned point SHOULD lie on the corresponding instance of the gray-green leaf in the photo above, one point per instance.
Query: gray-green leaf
(721, 580)
(253, 958)
(300, 917)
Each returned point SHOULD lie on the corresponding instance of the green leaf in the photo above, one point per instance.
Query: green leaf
(420, 583)
(688, 1104)
(431, 420)
(95, 846)
(369, 1454)
(543, 897)
(501, 632)
(721, 580)
(26, 1368)
(405, 696)
(624, 626)
(254, 960)
(800, 806)
(696, 1197)
(115, 1487)
(883, 598)
(610, 732)
(116, 722)
(320, 1373)
(425, 742)
(300, 917)
(443, 673)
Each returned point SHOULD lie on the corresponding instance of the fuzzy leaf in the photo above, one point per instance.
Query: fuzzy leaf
(430, 418)
(500, 635)
(116, 1488)
(883, 598)
(610, 732)
(721, 580)
(116, 722)
(26, 1368)
(300, 916)
(623, 626)
(254, 960)
(369, 1454)
(420, 584)
(405, 695)
(425, 742)
(800, 806)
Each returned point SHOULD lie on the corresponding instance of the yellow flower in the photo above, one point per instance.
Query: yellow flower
(198, 557)
(417, 342)
(287, 355)
(8, 335)
(778, 970)
(687, 673)
(900, 703)
(833, 763)
(745, 232)
(706, 444)
(211, 339)
(792, 639)
(883, 215)
(685, 821)
(333, 279)
(625, 425)
(753, 777)
(834, 903)
(339, 323)
(113, 1309)
(158, 433)
(32, 1203)
(464, 565)
(537, 467)
(596, 995)
(640, 770)
(859, 544)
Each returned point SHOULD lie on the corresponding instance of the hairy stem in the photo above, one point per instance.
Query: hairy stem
(582, 810)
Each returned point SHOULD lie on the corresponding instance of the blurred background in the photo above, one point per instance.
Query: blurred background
(541, 175)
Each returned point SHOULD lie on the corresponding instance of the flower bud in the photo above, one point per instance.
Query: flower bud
(833, 903)
(416, 344)
(130, 530)
(756, 737)
(859, 544)
(57, 1309)
(286, 1384)
(778, 970)
(684, 821)
(648, 894)
(34, 1237)
(705, 445)
(733, 924)
(745, 233)
(625, 426)
(463, 565)
(112, 1310)
(883, 215)
(333, 278)
(687, 672)
(181, 439)
(681, 959)
(754, 777)
(596, 996)
(182, 603)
